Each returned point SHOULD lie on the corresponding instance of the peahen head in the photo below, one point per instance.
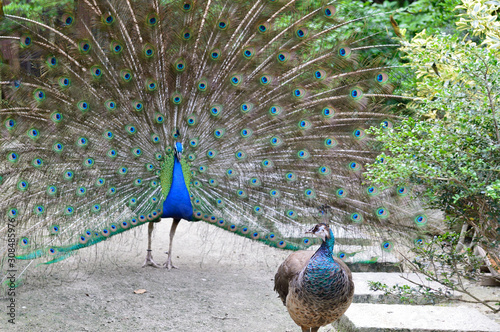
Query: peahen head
(324, 232)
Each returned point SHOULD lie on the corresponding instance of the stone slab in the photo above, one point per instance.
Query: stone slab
(363, 294)
(381, 267)
(368, 258)
(364, 317)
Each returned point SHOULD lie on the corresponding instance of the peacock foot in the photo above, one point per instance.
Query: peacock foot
(149, 260)
(168, 264)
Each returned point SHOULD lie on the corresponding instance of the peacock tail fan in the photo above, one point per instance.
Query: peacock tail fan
(120, 112)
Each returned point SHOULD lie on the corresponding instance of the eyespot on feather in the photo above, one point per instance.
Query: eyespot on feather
(382, 78)
(283, 56)
(187, 6)
(356, 93)
(329, 11)
(67, 19)
(186, 34)
(148, 51)
(26, 41)
(382, 213)
(246, 107)
(356, 217)
(108, 19)
(137, 105)
(236, 79)
(421, 220)
(51, 61)
(176, 98)
(152, 19)
(64, 82)
(387, 246)
(96, 72)
(151, 85)
(263, 27)
(180, 65)
(116, 47)
(372, 191)
(344, 52)
(341, 193)
(215, 54)
(301, 32)
(223, 24)
(248, 52)
(84, 46)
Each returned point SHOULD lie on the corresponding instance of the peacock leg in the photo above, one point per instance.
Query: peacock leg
(168, 264)
(149, 256)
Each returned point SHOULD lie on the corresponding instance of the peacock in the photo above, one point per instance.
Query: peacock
(316, 287)
(118, 113)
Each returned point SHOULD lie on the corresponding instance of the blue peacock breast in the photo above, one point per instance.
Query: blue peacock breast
(174, 183)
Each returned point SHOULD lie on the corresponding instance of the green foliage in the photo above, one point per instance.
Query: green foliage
(453, 148)
(34, 9)
(435, 16)
(450, 149)
(482, 18)
(406, 294)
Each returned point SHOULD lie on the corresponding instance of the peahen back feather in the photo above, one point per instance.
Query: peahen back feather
(232, 112)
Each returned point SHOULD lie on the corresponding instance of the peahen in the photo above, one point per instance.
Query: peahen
(316, 287)
(118, 113)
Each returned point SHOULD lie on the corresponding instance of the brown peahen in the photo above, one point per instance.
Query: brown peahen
(315, 287)
(120, 112)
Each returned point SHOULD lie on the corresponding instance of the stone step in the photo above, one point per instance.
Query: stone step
(487, 279)
(351, 236)
(363, 254)
(353, 241)
(382, 267)
(367, 258)
(364, 317)
(363, 294)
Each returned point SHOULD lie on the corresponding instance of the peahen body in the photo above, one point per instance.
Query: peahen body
(316, 287)
(118, 113)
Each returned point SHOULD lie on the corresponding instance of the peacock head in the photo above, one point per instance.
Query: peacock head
(178, 150)
(322, 231)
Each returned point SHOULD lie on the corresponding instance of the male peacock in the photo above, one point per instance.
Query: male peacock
(122, 112)
(316, 287)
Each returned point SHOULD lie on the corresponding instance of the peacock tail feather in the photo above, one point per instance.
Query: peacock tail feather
(120, 112)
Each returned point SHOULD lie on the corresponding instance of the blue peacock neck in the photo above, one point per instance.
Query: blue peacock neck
(320, 275)
(175, 180)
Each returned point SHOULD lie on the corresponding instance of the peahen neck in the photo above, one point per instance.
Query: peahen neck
(327, 246)
(321, 273)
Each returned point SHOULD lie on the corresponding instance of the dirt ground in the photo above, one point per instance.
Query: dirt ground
(224, 283)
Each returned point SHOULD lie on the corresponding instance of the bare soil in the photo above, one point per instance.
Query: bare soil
(223, 283)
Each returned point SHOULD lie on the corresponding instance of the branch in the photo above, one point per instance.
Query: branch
(462, 289)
